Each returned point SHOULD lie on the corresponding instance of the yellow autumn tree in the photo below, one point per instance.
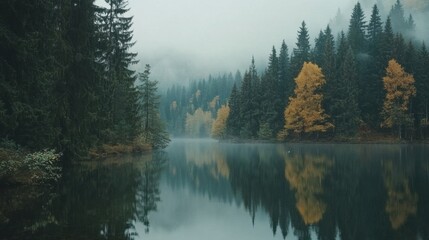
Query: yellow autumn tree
(219, 125)
(199, 124)
(399, 87)
(401, 201)
(305, 174)
(305, 114)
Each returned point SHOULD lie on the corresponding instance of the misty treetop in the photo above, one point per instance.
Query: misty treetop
(350, 90)
(66, 79)
(191, 110)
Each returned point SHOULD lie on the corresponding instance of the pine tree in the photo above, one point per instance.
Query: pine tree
(305, 114)
(399, 87)
(302, 51)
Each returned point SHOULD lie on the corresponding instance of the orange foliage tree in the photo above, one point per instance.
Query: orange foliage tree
(305, 174)
(219, 125)
(305, 114)
(399, 87)
(401, 201)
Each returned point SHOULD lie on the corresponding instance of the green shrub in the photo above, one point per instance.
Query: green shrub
(43, 165)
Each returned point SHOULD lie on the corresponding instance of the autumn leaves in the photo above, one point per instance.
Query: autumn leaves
(305, 114)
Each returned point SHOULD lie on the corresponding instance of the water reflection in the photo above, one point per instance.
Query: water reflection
(93, 201)
(312, 191)
(217, 190)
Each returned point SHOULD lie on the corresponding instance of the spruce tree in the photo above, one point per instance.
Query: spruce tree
(247, 107)
(357, 30)
(271, 104)
(375, 30)
(345, 109)
(154, 131)
(328, 67)
(285, 80)
(421, 103)
(302, 51)
(120, 94)
(233, 122)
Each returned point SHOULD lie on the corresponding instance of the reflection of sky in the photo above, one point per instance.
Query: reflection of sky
(185, 215)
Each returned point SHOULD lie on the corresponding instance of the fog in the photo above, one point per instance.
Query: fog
(190, 39)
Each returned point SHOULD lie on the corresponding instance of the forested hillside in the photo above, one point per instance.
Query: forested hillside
(372, 80)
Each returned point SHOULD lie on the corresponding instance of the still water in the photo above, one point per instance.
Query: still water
(202, 189)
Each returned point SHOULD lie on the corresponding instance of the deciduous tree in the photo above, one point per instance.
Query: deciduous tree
(399, 87)
(305, 114)
(219, 125)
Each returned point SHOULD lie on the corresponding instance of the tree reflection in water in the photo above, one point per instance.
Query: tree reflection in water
(328, 191)
(97, 200)
(311, 191)
(305, 174)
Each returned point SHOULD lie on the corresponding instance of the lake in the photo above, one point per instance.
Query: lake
(203, 189)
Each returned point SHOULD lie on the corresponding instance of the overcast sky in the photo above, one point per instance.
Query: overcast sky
(184, 39)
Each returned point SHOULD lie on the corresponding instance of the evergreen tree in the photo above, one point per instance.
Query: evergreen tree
(233, 122)
(357, 28)
(247, 109)
(397, 17)
(371, 89)
(328, 66)
(422, 84)
(302, 51)
(398, 48)
(120, 95)
(249, 102)
(375, 30)
(345, 109)
(154, 131)
(410, 58)
(271, 104)
(319, 46)
(81, 87)
(286, 82)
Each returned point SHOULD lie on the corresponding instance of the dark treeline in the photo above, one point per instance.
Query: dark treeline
(353, 65)
(65, 76)
(180, 103)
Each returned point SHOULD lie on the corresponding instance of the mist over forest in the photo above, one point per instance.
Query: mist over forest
(221, 37)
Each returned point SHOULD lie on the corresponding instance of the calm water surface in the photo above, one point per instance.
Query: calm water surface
(202, 189)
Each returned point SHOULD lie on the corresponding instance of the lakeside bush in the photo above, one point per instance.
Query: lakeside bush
(23, 167)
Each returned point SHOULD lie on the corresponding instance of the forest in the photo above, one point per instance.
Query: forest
(370, 83)
(67, 86)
